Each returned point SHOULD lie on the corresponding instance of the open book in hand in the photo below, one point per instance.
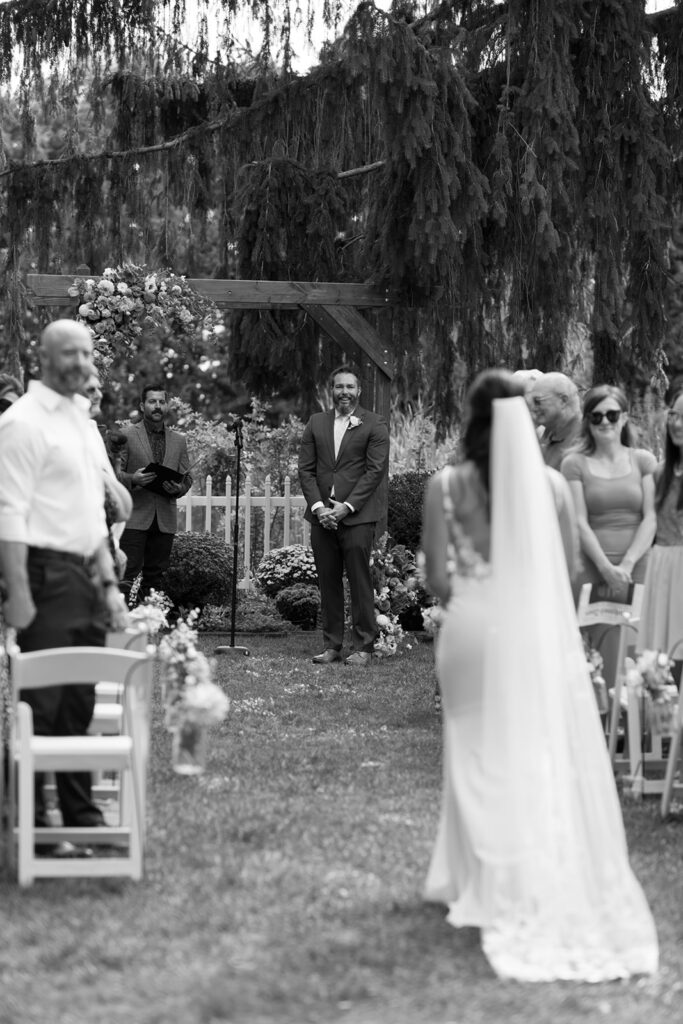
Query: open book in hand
(162, 473)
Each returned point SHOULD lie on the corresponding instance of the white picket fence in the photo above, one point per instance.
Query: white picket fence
(281, 520)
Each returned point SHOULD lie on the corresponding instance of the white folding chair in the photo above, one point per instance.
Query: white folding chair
(106, 719)
(124, 753)
(623, 616)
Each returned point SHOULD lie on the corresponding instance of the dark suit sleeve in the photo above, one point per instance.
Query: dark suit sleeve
(376, 465)
(308, 459)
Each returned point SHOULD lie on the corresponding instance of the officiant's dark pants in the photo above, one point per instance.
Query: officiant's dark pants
(347, 547)
(69, 613)
(148, 552)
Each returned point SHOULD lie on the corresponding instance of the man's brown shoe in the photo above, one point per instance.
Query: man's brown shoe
(327, 657)
(360, 658)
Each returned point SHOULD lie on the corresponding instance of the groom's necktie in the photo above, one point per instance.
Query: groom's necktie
(340, 425)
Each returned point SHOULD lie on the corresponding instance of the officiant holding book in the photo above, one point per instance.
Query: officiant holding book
(154, 465)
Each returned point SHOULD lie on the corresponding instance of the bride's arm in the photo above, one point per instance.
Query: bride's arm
(435, 541)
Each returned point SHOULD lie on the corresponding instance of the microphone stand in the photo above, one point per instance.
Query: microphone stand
(239, 444)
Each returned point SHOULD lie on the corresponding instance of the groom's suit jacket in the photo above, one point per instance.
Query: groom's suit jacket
(147, 504)
(355, 474)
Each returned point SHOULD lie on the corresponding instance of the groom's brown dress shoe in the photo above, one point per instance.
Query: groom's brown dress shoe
(327, 657)
(360, 658)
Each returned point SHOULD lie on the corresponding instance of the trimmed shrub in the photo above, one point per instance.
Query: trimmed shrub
(200, 572)
(300, 604)
(404, 520)
(284, 567)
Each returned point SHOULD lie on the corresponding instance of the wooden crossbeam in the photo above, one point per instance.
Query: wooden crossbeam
(52, 290)
(348, 328)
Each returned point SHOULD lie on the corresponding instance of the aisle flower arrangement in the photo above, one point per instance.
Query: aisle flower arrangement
(151, 616)
(192, 701)
(595, 663)
(649, 677)
(128, 299)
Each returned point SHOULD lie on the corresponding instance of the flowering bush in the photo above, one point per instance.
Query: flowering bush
(299, 604)
(126, 300)
(284, 567)
(191, 696)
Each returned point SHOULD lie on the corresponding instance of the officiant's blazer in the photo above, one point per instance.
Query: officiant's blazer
(357, 471)
(147, 504)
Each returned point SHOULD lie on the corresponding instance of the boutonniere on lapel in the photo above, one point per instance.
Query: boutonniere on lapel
(354, 421)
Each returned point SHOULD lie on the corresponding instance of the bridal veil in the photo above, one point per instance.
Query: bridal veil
(560, 900)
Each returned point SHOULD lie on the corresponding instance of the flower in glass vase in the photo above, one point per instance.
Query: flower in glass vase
(192, 701)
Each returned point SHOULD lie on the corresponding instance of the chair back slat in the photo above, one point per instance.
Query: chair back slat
(57, 666)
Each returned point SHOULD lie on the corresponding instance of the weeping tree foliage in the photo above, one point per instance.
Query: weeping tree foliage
(501, 168)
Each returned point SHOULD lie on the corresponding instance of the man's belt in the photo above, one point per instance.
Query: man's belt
(51, 555)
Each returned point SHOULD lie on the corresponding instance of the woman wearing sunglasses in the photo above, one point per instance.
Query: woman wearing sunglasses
(661, 623)
(613, 488)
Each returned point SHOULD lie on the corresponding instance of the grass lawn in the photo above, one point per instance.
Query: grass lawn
(284, 884)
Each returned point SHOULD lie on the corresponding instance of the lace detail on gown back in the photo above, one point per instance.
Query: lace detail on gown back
(530, 845)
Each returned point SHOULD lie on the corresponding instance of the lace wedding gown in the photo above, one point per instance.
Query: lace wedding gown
(530, 845)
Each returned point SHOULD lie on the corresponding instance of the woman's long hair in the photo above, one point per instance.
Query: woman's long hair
(594, 397)
(476, 441)
(672, 456)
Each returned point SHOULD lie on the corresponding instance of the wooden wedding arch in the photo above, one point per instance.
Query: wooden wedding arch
(333, 306)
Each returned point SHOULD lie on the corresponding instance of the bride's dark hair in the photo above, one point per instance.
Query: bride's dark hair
(489, 385)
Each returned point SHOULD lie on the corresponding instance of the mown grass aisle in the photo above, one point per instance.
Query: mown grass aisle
(284, 884)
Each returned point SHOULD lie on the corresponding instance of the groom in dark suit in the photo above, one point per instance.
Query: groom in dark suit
(147, 540)
(343, 459)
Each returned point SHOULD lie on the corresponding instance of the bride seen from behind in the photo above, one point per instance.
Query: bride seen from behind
(530, 845)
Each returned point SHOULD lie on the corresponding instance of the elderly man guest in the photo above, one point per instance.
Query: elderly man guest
(58, 571)
(147, 540)
(555, 405)
(343, 459)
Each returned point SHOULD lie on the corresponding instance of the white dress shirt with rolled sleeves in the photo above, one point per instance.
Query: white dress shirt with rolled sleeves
(51, 473)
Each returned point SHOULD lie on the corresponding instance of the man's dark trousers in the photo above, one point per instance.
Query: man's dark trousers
(347, 547)
(148, 552)
(69, 613)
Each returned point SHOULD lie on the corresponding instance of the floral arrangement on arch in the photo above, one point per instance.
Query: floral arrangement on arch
(126, 300)
(649, 677)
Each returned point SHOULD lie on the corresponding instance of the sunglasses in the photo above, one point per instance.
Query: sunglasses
(596, 418)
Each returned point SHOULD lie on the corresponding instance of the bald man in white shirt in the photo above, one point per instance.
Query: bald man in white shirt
(60, 580)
